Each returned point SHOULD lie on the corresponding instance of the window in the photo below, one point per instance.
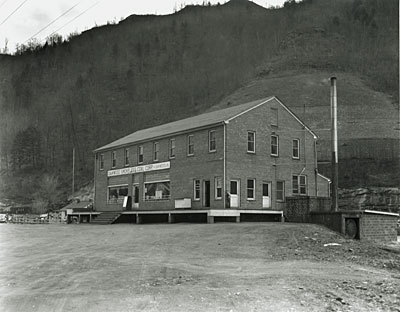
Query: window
(212, 147)
(274, 145)
(196, 189)
(296, 149)
(299, 185)
(251, 141)
(172, 148)
(126, 156)
(190, 145)
(117, 193)
(157, 190)
(101, 161)
(140, 154)
(218, 187)
(156, 149)
(274, 117)
(250, 189)
(280, 190)
(113, 159)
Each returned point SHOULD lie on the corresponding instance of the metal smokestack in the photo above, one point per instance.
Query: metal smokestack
(335, 171)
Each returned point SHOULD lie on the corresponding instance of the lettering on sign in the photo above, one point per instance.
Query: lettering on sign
(144, 168)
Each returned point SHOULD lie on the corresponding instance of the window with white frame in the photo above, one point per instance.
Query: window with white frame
(116, 193)
(280, 190)
(251, 141)
(101, 161)
(196, 189)
(140, 154)
(156, 150)
(274, 145)
(274, 117)
(251, 183)
(190, 144)
(212, 145)
(157, 190)
(113, 159)
(299, 185)
(172, 148)
(218, 187)
(126, 156)
(296, 149)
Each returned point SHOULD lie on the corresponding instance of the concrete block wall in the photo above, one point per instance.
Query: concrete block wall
(378, 227)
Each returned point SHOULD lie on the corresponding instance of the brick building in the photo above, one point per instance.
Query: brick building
(241, 159)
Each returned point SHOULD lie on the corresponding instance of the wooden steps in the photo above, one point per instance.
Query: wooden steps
(106, 218)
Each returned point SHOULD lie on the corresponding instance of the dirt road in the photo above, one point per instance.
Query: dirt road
(193, 267)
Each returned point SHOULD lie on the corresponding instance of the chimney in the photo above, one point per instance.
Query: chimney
(335, 171)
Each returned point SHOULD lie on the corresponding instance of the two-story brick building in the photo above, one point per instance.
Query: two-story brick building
(241, 159)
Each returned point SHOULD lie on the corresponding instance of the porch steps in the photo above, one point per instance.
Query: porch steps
(106, 218)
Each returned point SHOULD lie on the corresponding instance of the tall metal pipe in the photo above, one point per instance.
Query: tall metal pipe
(334, 136)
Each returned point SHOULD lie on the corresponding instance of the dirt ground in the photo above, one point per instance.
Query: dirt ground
(193, 267)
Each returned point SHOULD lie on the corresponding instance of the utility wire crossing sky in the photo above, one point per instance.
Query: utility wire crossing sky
(24, 20)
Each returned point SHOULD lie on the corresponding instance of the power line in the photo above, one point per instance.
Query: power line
(69, 22)
(12, 13)
(52, 22)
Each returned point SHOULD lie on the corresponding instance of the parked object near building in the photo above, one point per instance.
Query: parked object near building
(77, 212)
(235, 162)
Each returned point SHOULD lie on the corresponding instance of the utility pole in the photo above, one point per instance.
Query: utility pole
(73, 171)
(335, 170)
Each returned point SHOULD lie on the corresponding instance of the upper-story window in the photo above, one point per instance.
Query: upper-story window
(113, 159)
(296, 149)
(299, 185)
(156, 150)
(126, 156)
(274, 117)
(274, 145)
(172, 148)
(212, 145)
(251, 141)
(190, 144)
(140, 154)
(101, 161)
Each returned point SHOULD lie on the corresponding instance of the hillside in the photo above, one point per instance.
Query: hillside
(147, 70)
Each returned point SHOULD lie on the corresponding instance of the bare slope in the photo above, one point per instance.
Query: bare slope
(362, 112)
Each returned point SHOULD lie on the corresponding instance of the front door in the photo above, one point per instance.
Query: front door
(207, 191)
(135, 196)
(234, 194)
(266, 195)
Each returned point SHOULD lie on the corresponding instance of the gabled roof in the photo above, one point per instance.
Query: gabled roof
(199, 121)
(81, 204)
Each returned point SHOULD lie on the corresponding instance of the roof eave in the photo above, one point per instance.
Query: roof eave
(102, 149)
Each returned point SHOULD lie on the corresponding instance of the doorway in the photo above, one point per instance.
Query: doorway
(266, 195)
(135, 196)
(234, 194)
(207, 191)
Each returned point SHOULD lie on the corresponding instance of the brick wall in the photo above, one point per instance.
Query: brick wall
(241, 164)
(183, 170)
(378, 227)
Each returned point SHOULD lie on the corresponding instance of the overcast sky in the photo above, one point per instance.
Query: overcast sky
(21, 20)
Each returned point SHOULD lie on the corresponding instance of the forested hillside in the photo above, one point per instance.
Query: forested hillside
(112, 80)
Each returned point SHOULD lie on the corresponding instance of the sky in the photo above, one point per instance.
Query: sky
(21, 20)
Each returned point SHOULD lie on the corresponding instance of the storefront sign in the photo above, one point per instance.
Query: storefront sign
(144, 168)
